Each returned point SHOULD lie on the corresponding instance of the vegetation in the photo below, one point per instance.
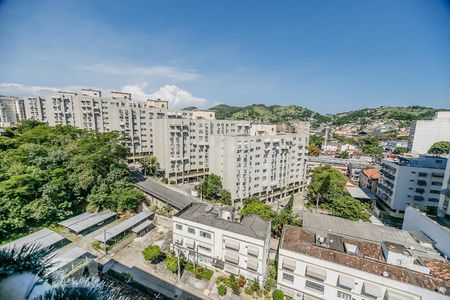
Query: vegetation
(172, 263)
(400, 150)
(328, 189)
(371, 145)
(222, 290)
(254, 206)
(48, 174)
(344, 154)
(200, 271)
(212, 189)
(440, 148)
(151, 166)
(152, 253)
(316, 140)
(277, 295)
(241, 281)
(313, 150)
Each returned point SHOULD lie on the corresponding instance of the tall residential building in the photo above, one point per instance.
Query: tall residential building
(444, 200)
(333, 258)
(424, 133)
(411, 182)
(269, 165)
(12, 110)
(211, 236)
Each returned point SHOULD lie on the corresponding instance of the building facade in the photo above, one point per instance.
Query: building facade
(212, 237)
(368, 180)
(317, 262)
(12, 110)
(411, 182)
(267, 164)
(424, 133)
(444, 200)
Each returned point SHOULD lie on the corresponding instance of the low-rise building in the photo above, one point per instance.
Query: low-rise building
(410, 181)
(368, 180)
(334, 258)
(211, 236)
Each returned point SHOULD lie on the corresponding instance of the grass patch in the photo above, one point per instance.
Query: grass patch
(200, 271)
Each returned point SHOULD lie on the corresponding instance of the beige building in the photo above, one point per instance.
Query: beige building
(11, 110)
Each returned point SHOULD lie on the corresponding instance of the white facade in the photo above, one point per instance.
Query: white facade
(415, 221)
(424, 133)
(11, 111)
(444, 200)
(214, 241)
(416, 182)
(307, 271)
(269, 166)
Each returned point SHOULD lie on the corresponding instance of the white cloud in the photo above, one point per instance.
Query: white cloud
(18, 89)
(136, 71)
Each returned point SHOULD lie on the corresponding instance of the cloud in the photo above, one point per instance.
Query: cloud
(177, 97)
(136, 71)
(18, 89)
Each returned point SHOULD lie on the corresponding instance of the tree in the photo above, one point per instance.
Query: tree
(284, 217)
(290, 203)
(211, 187)
(221, 290)
(327, 183)
(349, 208)
(313, 150)
(440, 148)
(344, 154)
(316, 140)
(400, 150)
(225, 197)
(258, 208)
(152, 253)
(172, 263)
(151, 165)
(277, 295)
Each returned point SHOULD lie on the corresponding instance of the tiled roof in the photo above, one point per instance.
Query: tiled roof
(299, 240)
(372, 173)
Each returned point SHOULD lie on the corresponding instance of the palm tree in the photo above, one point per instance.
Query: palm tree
(23, 269)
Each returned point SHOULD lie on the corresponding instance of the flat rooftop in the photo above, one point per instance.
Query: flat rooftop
(43, 238)
(303, 241)
(251, 225)
(124, 226)
(86, 220)
(67, 257)
(358, 193)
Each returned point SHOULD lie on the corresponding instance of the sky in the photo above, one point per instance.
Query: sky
(328, 56)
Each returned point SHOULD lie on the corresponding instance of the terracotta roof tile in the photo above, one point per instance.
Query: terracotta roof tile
(372, 173)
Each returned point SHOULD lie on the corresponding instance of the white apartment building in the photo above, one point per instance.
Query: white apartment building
(424, 133)
(410, 182)
(11, 110)
(182, 146)
(270, 166)
(333, 258)
(211, 236)
(444, 200)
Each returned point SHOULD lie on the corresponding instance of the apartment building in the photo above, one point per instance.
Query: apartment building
(267, 164)
(368, 180)
(424, 133)
(410, 182)
(12, 110)
(182, 146)
(333, 258)
(211, 236)
(444, 200)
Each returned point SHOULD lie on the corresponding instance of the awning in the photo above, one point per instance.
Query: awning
(372, 290)
(233, 245)
(346, 282)
(288, 264)
(190, 244)
(253, 251)
(232, 258)
(391, 295)
(316, 273)
(252, 264)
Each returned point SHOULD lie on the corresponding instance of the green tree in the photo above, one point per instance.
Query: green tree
(349, 208)
(316, 140)
(290, 203)
(211, 187)
(225, 197)
(152, 253)
(313, 150)
(344, 154)
(440, 148)
(327, 183)
(277, 295)
(258, 208)
(400, 150)
(151, 165)
(221, 290)
(284, 217)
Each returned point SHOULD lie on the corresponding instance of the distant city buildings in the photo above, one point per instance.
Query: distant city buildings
(12, 110)
(411, 181)
(212, 236)
(333, 258)
(424, 133)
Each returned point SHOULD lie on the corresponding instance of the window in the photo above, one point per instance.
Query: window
(179, 227)
(314, 286)
(203, 248)
(206, 235)
(345, 296)
(288, 277)
(191, 230)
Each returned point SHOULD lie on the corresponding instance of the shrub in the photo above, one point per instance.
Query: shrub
(254, 286)
(241, 281)
(248, 291)
(221, 290)
(220, 279)
(152, 253)
(277, 295)
(172, 264)
(269, 284)
(200, 271)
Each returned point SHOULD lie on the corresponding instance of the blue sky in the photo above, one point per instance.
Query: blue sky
(328, 56)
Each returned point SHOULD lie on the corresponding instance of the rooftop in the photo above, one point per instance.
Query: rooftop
(86, 220)
(43, 238)
(251, 225)
(372, 173)
(303, 241)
